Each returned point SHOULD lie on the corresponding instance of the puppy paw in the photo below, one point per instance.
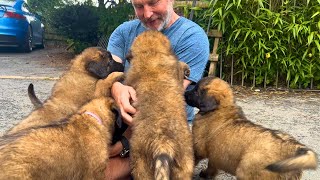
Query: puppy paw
(103, 86)
(115, 77)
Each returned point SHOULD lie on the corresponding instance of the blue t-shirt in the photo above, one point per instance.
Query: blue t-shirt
(188, 41)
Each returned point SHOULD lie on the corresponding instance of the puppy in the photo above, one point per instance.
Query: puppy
(99, 69)
(75, 88)
(234, 144)
(75, 148)
(161, 143)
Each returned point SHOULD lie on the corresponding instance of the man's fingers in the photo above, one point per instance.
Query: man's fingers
(133, 94)
(126, 117)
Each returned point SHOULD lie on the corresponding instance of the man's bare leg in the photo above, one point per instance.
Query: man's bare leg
(118, 169)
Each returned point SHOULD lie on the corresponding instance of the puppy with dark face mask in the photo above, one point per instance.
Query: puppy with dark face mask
(76, 87)
(235, 145)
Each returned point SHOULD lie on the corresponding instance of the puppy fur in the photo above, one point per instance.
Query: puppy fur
(233, 144)
(75, 148)
(75, 87)
(161, 143)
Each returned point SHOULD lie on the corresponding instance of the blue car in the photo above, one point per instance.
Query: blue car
(19, 27)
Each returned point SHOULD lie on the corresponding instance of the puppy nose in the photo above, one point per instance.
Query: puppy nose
(186, 95)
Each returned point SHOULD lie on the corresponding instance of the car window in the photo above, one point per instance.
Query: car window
(25, 8)
(7, 2)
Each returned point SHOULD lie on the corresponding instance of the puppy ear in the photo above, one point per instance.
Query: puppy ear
(97, 69)
(117, 113)
(186, 73)
(208, 104)
(185, 69)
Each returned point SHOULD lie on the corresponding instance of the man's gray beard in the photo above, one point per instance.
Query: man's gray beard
(164, 24)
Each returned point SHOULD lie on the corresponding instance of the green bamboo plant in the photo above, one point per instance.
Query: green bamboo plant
(271, 40)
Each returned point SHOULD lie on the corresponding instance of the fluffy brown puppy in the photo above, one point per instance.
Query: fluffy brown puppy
(99, 69)
(75, 87)
(161, 143)
(234, 144)
(76, 148)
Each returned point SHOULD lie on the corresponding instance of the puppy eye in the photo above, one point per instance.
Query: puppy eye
(201, 92)
(109, 55)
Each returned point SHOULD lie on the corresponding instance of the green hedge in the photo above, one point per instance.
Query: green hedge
(84, 24)
(78, 23)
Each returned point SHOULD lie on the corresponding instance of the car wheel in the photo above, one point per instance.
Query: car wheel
(42, 45)
(27, 45)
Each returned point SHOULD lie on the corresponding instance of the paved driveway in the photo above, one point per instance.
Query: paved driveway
(295, 113)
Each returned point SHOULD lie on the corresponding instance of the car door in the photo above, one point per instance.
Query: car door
(34, 22)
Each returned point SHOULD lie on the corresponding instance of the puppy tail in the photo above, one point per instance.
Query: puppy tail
(304, 159)
(32, 96)
(162, 167)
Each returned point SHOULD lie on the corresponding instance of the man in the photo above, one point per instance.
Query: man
(188, 41)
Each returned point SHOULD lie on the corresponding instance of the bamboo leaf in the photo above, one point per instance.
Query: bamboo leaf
(293, 19)
(235, 18)
(260, 2)
(310, 38)
(276, 21)
(237, 34)
(223, 26)
(225, 6)
(247, 51)
(215, 12)
(315, 14)
(247, 34)
(228, 49)
(239, 3)
(305, 54)
(318, 45)
(296, 78)
(230, 5)
(196, 8)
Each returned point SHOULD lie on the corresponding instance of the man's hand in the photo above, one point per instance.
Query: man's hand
(123, 95)
(186, 83)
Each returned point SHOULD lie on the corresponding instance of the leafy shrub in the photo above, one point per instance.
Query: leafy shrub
(113, 16)
(79, 23)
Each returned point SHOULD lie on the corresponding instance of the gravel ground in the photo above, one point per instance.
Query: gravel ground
(295, 113)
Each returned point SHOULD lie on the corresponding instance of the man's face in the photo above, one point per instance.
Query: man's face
(154, 14)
